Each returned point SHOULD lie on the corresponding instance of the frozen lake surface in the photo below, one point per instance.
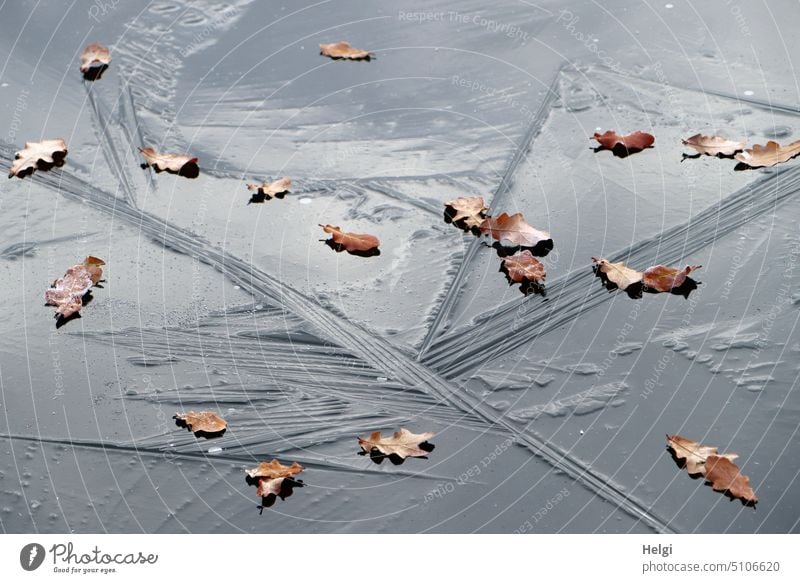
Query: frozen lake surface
(550, 411)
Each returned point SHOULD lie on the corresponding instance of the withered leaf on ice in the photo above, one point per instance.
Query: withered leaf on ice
(618, 273)
(271, 189)
(38, 155)
(773, 153)
(95, 59)
(632, 142)
(513, 231)
(203, 421)
(343, 50)
(402, 443)
(175, 163)
(663, 279)
(67, 292)
(469, 211)
(523, 266)
(270, 476)
(713, 145)
(352, 242)
(718, 469)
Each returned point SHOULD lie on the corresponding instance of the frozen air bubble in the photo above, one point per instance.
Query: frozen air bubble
(304, 200)
(749, 93)
(214, 450)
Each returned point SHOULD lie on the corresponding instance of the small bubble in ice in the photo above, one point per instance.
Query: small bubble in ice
(381, 379)
(214, 449)
(304, 200)
(237, 287)
(4, 85)
(749, 93)
(668, 6)
(581, 431)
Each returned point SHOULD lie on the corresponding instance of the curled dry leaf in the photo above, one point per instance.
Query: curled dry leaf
(402, 443)
(513, 231)
(67, 292)
(769, 155)
(663, 279)
(94, 56)
(718, 469)
(713, 145)
(618, 273)
(204, 421)
(38, 155)
(352, 242)
(632, 142)
(523, 266)
(175, 163)
(270, 189)
(343, 50)
(469, 211)
(270, 476)
(725, 476)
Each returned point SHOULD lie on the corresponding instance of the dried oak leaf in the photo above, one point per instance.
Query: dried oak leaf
(523, 266)
(351, 242)
(713, 145)
(663, 279)
(174, 163)
(67, 292)
(469, 211)
(693, 453)
(725, 475)
(618, 273)
(270, 189)
(769, 155)
(402, 443)
(513, 231)
(204, 421)
(38, 155)
(632, 142)
(94, 56)
(270, 476)
(718, 469)
(343, 50)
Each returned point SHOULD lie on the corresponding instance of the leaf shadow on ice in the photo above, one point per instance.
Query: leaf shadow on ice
(681, 464)
(377, 457)
(189, 170)
(85, 300)
(620, 151)
(203, 434)
(58, 161)
(287, 489)
(95, 72)
(374, 252)
(637, 290)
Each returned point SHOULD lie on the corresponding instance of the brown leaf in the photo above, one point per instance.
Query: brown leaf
(718, 469)
(725, 475)
(663, 279)
(402, 443)
(270, 476)
(632, 142)
(205, 421)
(513, 231)
(713, 145)
(352, 242)
(270, 189)
(175, 163)
(769, 155)
(618, 273)
(67, 292)
(93, 56)
(343, 50)
(693, 453)
(467, 210)
(523, 266)
(47, 152)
